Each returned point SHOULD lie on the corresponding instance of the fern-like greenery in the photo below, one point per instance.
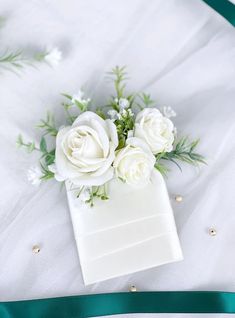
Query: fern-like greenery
(184, 150)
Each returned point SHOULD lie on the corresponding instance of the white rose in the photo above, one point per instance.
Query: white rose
(134, 163)
(155, 129)
(85, 151)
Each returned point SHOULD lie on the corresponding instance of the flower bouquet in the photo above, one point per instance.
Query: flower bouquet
(112, 161)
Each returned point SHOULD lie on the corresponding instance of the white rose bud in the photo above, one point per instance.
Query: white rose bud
(85, 151)
(134, 163)
(155, 129)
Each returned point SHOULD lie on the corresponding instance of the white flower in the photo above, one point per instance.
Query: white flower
(85, 151)
(79, 98)
(123, 103)
(168, 112)
(53, 57)
(34, 175)
(125, 113)
(113, 114)
(134, 163)
(155, 129)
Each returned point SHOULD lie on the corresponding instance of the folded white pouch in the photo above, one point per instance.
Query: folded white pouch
(133, 230)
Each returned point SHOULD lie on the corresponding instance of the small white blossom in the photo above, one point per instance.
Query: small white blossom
(53, 57)
(79, 98)
(85, 195)
(131, 114)
(126, 113)
(113, 114)
(34, 175)
(168, 112)
(123, 103)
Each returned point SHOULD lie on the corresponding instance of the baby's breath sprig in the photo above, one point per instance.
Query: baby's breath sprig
(99, 192)
(124, 124)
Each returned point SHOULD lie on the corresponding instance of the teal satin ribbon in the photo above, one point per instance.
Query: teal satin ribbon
(121, 303)
(223, 7)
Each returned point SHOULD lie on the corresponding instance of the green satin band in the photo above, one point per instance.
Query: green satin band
(121, 303)
(223, 7)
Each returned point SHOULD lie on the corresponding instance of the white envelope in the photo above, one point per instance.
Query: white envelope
(133, 230)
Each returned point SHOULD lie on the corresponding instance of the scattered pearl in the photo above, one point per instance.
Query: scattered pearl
(212, 232)
(178, 198)
(132, 289)
(36, 249)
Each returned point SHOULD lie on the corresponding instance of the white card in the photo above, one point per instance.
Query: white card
(131, 222)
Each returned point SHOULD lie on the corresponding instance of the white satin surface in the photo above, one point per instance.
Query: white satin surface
(132, 231)
(181, 52)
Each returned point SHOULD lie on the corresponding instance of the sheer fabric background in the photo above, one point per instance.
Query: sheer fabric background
(181, 52)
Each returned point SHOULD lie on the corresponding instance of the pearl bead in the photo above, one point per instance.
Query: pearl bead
(212, 232)
(36, 249)
(132, 289)
(178, 198)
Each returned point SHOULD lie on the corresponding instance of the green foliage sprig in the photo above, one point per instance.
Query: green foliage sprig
(48, 125)
(184, 150)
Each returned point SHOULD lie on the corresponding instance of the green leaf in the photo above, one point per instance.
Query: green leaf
(43, 145)
(184, 150)
(19, 140)
(161, 168)
(121, 143)
(100, 113)
(67, 96)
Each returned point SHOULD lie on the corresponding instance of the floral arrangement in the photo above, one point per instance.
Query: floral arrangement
(126, 139)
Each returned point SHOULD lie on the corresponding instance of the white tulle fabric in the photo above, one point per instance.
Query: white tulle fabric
(132, 231)
(182, 53)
